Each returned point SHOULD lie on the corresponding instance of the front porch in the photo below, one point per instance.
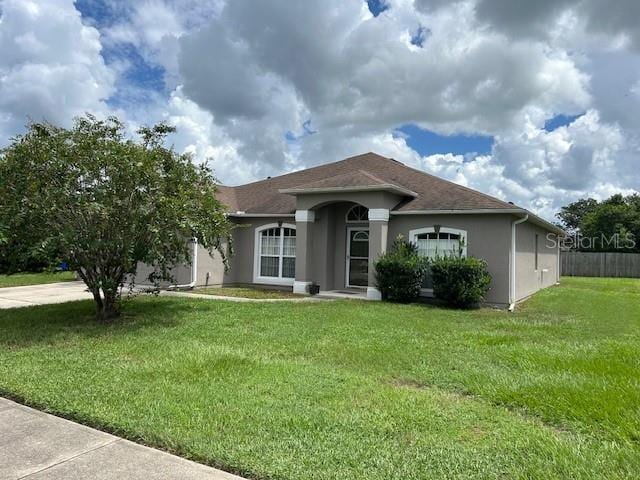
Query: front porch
(337, 245)
(338, 240)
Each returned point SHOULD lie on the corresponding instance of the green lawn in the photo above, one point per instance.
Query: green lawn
(348, 389)
(20, 279)
(257, 293)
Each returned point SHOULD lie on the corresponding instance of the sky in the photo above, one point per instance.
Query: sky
(533, 102)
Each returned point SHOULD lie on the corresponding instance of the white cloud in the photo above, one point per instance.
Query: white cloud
(543, 170)
(242, 74)
(50, 66)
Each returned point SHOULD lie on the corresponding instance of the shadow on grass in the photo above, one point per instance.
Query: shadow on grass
(57, 323)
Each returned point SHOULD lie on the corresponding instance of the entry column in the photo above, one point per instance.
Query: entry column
(378, 230)
(304, 253)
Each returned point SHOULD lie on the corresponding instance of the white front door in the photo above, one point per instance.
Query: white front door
(357, 257)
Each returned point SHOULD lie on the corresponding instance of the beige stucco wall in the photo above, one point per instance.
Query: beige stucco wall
(181, 275)
(241, 265)
(488, 237)
(210, 268)
(528, 279)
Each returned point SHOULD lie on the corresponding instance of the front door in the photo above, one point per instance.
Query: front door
(357, 257)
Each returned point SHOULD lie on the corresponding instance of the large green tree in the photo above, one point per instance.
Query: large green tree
(106, 202)
(571, 215)
(612, 224)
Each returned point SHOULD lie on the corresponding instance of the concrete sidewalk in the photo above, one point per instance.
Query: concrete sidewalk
(12, 297)
(37, 446)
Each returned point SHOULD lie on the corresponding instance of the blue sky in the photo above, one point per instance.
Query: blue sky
(426, 142)
(140, 80)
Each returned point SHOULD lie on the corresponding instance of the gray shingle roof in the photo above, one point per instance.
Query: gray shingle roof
(369, 169)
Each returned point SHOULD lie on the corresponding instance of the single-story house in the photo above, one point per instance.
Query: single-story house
(327, 225)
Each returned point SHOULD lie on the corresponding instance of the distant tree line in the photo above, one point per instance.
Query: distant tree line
(609, 225)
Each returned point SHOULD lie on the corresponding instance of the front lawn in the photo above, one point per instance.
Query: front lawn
(28, 278)
(347, 389)
(256, 293)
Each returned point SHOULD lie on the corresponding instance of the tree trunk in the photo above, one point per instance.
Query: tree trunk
(97, 299)
(107, 308)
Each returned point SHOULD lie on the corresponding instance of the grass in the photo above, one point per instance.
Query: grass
(349, 389)
(257, 293)
(21, 279)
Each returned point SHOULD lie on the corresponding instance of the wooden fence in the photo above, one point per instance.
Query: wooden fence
(600, 264)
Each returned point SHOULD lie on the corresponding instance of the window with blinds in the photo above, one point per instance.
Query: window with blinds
(441, 244)
(277, 255)
(445, 242)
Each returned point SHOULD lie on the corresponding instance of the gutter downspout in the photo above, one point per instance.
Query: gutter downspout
(194, 267)
(512, 279)
(558, 266)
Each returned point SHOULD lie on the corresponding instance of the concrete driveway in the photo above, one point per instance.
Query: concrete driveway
(39, 446)
(12, 297)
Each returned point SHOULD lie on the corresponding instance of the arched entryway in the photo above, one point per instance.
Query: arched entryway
(339, 238)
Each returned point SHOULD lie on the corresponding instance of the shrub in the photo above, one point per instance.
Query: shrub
(460, 282)
(400, 272)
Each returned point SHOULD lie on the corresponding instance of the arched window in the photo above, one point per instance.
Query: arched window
(275, 260)
(434, 242)
(360, 236)
(358, 214)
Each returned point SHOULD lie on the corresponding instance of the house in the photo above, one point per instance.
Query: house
(327, 225)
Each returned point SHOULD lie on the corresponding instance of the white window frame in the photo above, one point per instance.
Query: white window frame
(413, 234)
(346, 216)
(257, 246)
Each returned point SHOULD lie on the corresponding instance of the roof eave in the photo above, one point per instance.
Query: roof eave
(457, 211)
(241, 214)
(533, 218)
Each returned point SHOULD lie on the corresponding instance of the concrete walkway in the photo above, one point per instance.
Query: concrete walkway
(38, 446)
(205, 296)
(11, 297)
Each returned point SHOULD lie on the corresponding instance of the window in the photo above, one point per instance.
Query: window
(535, 245)
(276, 254)
(444, 242)
(358, 213)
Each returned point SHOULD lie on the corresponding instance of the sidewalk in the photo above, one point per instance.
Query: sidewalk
(37, 446)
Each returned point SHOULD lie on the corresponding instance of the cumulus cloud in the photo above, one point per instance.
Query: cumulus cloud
(364, 78)
(50, 66)
(265, 87)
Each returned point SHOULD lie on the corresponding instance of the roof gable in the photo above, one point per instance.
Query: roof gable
(350, 182)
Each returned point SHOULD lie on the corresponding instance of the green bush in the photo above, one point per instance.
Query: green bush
(400, 272)
(460, 282)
